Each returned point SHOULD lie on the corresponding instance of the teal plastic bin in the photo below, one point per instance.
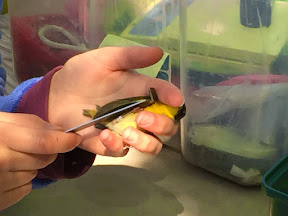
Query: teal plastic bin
(275, 184)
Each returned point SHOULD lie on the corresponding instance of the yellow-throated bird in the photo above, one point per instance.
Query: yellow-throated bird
(119, 123)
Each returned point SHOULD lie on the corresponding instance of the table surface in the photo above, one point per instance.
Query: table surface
(140, 184)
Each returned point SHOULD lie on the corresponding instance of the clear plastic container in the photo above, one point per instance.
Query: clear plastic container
(41, 34)
(56, 30)
(234, 77)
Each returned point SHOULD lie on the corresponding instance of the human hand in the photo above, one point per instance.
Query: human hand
(104, 75)
(27, 144)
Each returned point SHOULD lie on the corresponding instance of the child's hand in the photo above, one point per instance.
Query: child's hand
(103, 75)
(27, 144)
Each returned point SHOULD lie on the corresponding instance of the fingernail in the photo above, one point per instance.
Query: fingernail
(183, 103)
(105, 135)
(145, 119)
(129, 135)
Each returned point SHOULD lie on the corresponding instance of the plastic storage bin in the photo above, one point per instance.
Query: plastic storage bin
(275, 184)
(44, 35)
(234, 77)
(59, 29)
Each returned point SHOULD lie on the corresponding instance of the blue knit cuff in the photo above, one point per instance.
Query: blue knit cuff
(41, 183)
(10, 102)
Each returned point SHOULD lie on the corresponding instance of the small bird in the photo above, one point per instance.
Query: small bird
(120, 122)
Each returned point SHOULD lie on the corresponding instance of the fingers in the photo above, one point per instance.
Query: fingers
(107, 143)
(15, 161)
(160, 125)
(113, 143)
(110, 144)
(123, 58)
(166, 92)
(27, 120)
(141, 141)
(9, 198)
(37, 141)
(10, 180)
(14, 186)
(155, 123)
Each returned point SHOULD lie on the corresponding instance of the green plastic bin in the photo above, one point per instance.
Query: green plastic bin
(275, 184)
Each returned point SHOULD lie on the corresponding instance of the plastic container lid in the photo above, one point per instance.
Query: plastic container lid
(275, 184)
(275, 180)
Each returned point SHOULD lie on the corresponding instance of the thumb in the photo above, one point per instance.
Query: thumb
(37, 140)
(124, 58)
(27, 120)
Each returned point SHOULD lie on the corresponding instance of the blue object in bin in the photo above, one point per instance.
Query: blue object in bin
(275, 184)
(2, 81)
(2, 71)
(1, 5)
(255, 13)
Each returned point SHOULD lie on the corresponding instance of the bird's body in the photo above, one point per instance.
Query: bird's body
(119, 123)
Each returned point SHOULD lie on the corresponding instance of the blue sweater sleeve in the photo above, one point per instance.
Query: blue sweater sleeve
(10, 102)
